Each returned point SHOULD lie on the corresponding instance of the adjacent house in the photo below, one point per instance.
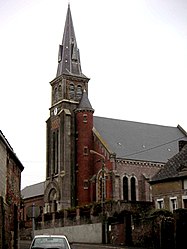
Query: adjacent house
(10, 182)
(169, 184)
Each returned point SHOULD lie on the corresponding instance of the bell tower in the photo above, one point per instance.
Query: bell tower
(66, 92)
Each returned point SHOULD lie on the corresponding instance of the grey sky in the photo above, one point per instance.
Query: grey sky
(133, 51)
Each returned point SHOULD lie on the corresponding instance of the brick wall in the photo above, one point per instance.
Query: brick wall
(84, 144)
(1, 222)
(3, 169)
(142, 171)
(38, 202)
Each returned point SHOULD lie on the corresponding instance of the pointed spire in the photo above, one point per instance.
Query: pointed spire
(68, 56)
(85, 103)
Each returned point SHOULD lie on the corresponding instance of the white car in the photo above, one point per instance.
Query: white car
(50, 242)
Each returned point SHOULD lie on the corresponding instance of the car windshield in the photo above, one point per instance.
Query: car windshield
(50, 242)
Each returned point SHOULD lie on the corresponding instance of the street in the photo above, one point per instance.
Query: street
(25, 245)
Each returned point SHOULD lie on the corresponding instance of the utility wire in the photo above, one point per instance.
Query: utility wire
(152, 148)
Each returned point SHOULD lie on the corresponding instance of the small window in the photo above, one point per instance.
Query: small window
(85, 150)
(184, 203)
(160, 203)
(185, 184)
(85, 118)
(173, 204)
(85, 184)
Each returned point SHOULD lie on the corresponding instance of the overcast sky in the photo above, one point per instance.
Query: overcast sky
(133, 51)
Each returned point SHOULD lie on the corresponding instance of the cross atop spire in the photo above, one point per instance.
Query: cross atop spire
(68, 56)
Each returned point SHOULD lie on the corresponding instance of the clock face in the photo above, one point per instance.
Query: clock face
(55, 111)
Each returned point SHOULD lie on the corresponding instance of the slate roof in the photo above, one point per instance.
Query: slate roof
(33, 190)
(68, 56)
(174, 167)
(139, 141)
(11, 151)
(85, 103)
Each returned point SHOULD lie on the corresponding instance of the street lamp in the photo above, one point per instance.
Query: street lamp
(102, 194)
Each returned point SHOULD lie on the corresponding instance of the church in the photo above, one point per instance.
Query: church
(97, 159)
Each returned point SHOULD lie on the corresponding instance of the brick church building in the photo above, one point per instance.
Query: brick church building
(91, 158)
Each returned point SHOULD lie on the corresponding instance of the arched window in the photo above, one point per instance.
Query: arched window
(55, 94)
(133, 189)
(101, 187)
(56, 152)
(79, 92)
(60, 91)
(71, 91)
(55, 155)
(53, 200)
(125, 189)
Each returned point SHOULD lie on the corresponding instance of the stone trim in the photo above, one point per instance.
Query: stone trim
(141, 163)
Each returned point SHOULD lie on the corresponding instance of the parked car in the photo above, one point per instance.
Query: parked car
(50, 242)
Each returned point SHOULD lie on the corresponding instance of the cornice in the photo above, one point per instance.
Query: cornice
(140, 163)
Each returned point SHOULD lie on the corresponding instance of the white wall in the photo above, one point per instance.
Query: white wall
(90, 233)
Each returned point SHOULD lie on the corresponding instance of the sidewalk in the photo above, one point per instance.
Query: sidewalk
(98, 246)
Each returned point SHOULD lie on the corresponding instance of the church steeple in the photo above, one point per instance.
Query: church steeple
(68, 89)
(68, 57)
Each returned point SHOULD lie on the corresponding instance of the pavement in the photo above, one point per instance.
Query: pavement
(98, 246)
